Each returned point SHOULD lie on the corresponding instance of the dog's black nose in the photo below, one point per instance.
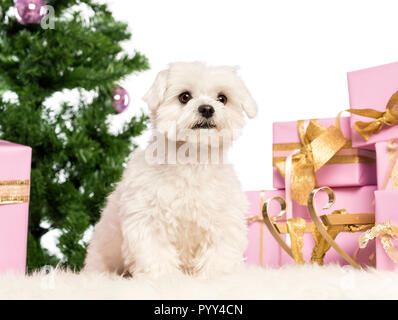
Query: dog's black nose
(206, 110)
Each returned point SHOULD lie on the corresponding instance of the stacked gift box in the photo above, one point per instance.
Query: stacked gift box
(15, 163)
(336, 183)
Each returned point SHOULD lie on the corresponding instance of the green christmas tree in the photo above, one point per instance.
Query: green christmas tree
(76, 159)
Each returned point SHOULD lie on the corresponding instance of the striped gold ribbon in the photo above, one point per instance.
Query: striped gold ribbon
(14, 191)
(347, 154)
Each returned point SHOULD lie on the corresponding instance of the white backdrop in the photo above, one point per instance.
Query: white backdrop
(294, 56)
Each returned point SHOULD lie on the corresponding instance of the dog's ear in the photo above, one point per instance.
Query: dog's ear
(155, 94)
(248, 104)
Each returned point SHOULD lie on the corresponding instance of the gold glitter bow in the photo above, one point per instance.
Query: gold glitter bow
(14, 191)
(386, 232)
(318, 146)
(389, 118)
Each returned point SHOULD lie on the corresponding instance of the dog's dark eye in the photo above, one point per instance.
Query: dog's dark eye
(184, 97)
(222, 98)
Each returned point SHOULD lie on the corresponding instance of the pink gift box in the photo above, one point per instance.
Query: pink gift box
(372, 88)
(266, 252)
(15, 162)
(354, 200)
(386, 180)
(386, 210)
(359, 173)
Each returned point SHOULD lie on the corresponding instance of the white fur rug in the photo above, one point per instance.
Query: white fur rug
(306, 282)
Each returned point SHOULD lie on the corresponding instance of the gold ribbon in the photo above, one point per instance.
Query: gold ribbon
(389, 118)
(386, 232)
(296, 229)
(260, 218)
(14, 191)
(352, 155)
(318, 146)
(392, 173)
(322, 245)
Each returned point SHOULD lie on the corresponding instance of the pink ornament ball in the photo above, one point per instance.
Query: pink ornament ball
(30, 11)
(121, 99)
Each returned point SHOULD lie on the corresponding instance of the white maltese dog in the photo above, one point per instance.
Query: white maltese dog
(173, 212)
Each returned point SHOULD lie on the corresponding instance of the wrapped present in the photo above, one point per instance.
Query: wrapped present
(374, 104)
(15, 162)
(387, 165)
(322, 146)
(263, 249)
(297, 239)
(385, 230)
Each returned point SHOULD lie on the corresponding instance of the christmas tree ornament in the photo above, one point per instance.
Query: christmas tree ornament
(121, 99)
(30, 11)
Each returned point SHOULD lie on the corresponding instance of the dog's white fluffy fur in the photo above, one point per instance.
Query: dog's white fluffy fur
(251, 282)
(187, 218)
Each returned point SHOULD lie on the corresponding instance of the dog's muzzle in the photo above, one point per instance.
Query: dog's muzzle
(206, 111)
(206, 122)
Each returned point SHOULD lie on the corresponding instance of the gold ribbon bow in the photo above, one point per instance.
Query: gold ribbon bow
(14, 191)
(389, 118)
(386, 232)
(318, 146)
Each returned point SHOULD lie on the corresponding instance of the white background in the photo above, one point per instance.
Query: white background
(293, 55)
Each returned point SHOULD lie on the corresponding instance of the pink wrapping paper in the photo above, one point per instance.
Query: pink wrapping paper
(332, 175)
(372, 88)
(386, 209)
(385, 179)
(271, 250)
(354, 200)
(15, 161)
